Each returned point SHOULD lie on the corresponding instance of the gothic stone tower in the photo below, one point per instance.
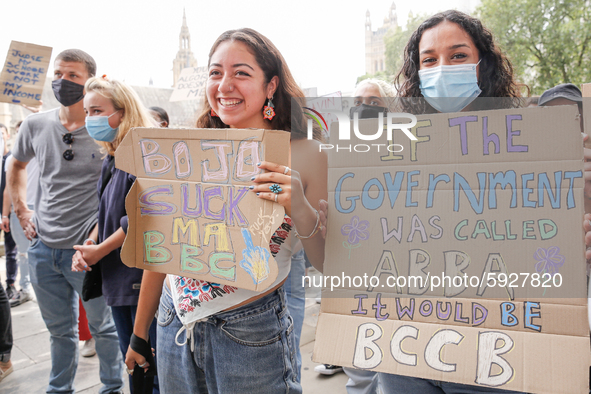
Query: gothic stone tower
(375, 48)
(184, 57)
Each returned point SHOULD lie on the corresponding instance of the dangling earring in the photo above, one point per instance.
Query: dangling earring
(268, 111)
(213, 114)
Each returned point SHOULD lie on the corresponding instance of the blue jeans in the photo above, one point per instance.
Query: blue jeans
(246, 350)
(57, 289)
(398, 384)
(22, 244)
(124, 317)
(361, 381)
(296, 301)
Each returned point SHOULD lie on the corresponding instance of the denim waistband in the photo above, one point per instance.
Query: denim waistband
(271, 300)
(274, 298)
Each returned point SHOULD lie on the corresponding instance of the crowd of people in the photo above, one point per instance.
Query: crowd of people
(68, 208)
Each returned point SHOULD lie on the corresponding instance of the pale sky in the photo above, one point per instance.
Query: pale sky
(323, 42)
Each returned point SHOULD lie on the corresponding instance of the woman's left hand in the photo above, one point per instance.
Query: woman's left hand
(285, 178)
(587, 228)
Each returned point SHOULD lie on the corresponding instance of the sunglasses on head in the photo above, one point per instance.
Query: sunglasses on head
(68, 139)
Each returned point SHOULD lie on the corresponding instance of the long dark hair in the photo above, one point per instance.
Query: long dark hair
(495, 78)
(270, 60)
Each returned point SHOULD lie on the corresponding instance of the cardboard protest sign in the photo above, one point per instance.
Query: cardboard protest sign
(321, 109)
(190, 85)
(190, 210)
(459, 256)
(23, 75)
(586, 90)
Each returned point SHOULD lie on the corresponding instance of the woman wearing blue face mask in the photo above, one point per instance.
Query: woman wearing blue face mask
(450, 60)
(112, 109)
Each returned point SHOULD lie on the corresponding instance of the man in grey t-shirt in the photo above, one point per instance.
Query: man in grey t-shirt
(65, 215)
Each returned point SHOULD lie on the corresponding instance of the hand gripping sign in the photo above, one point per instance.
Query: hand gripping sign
(460, 258)
(190, 210)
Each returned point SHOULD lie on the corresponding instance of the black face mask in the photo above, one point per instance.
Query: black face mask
(67, 92)
(367, 111)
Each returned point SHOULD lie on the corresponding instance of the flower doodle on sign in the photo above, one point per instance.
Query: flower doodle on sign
(548, 261)
(356, 231)
(255, 259)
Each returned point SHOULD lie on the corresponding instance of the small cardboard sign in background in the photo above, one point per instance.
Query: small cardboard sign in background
(23, 76)
(190, 85)
(477, 195)
(190, 210)
(326, 105)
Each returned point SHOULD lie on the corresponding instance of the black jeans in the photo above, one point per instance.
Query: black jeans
(5, 327)
(10, 250)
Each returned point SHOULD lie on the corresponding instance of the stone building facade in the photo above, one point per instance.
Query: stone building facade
(184, 57)
(375, 48)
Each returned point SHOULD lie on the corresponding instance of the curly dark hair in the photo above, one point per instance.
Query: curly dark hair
(272, 63)
(495, 78)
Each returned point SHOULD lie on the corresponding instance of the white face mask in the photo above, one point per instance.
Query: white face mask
(450, 88)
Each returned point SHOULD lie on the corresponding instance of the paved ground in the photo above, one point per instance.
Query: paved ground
(31, 358)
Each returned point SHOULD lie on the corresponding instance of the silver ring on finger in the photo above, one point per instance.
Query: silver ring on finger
(276, 197)
(129, 371)
(142, 365)
(287, 169)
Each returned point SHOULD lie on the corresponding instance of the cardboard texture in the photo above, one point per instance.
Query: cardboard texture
(190, 210)
(485, 208)
(190, 85)
(586, 91)
(23, 75)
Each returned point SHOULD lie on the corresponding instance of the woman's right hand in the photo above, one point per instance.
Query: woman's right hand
(132, 358)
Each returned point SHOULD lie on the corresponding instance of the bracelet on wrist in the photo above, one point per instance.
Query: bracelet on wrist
(89, 239)
(315, 231)
(5, 217)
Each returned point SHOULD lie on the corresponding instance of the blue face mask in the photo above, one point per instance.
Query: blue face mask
(450, 88)
(98, 128)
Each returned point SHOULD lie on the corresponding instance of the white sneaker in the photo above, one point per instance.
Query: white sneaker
(88, 350)
(327, 369)
(20, 298)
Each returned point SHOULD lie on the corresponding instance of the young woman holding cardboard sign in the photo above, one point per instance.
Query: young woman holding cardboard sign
(247, 347)
(450, 60)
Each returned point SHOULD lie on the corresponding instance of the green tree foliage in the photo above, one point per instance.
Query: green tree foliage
(396, 41)
(547, 41)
